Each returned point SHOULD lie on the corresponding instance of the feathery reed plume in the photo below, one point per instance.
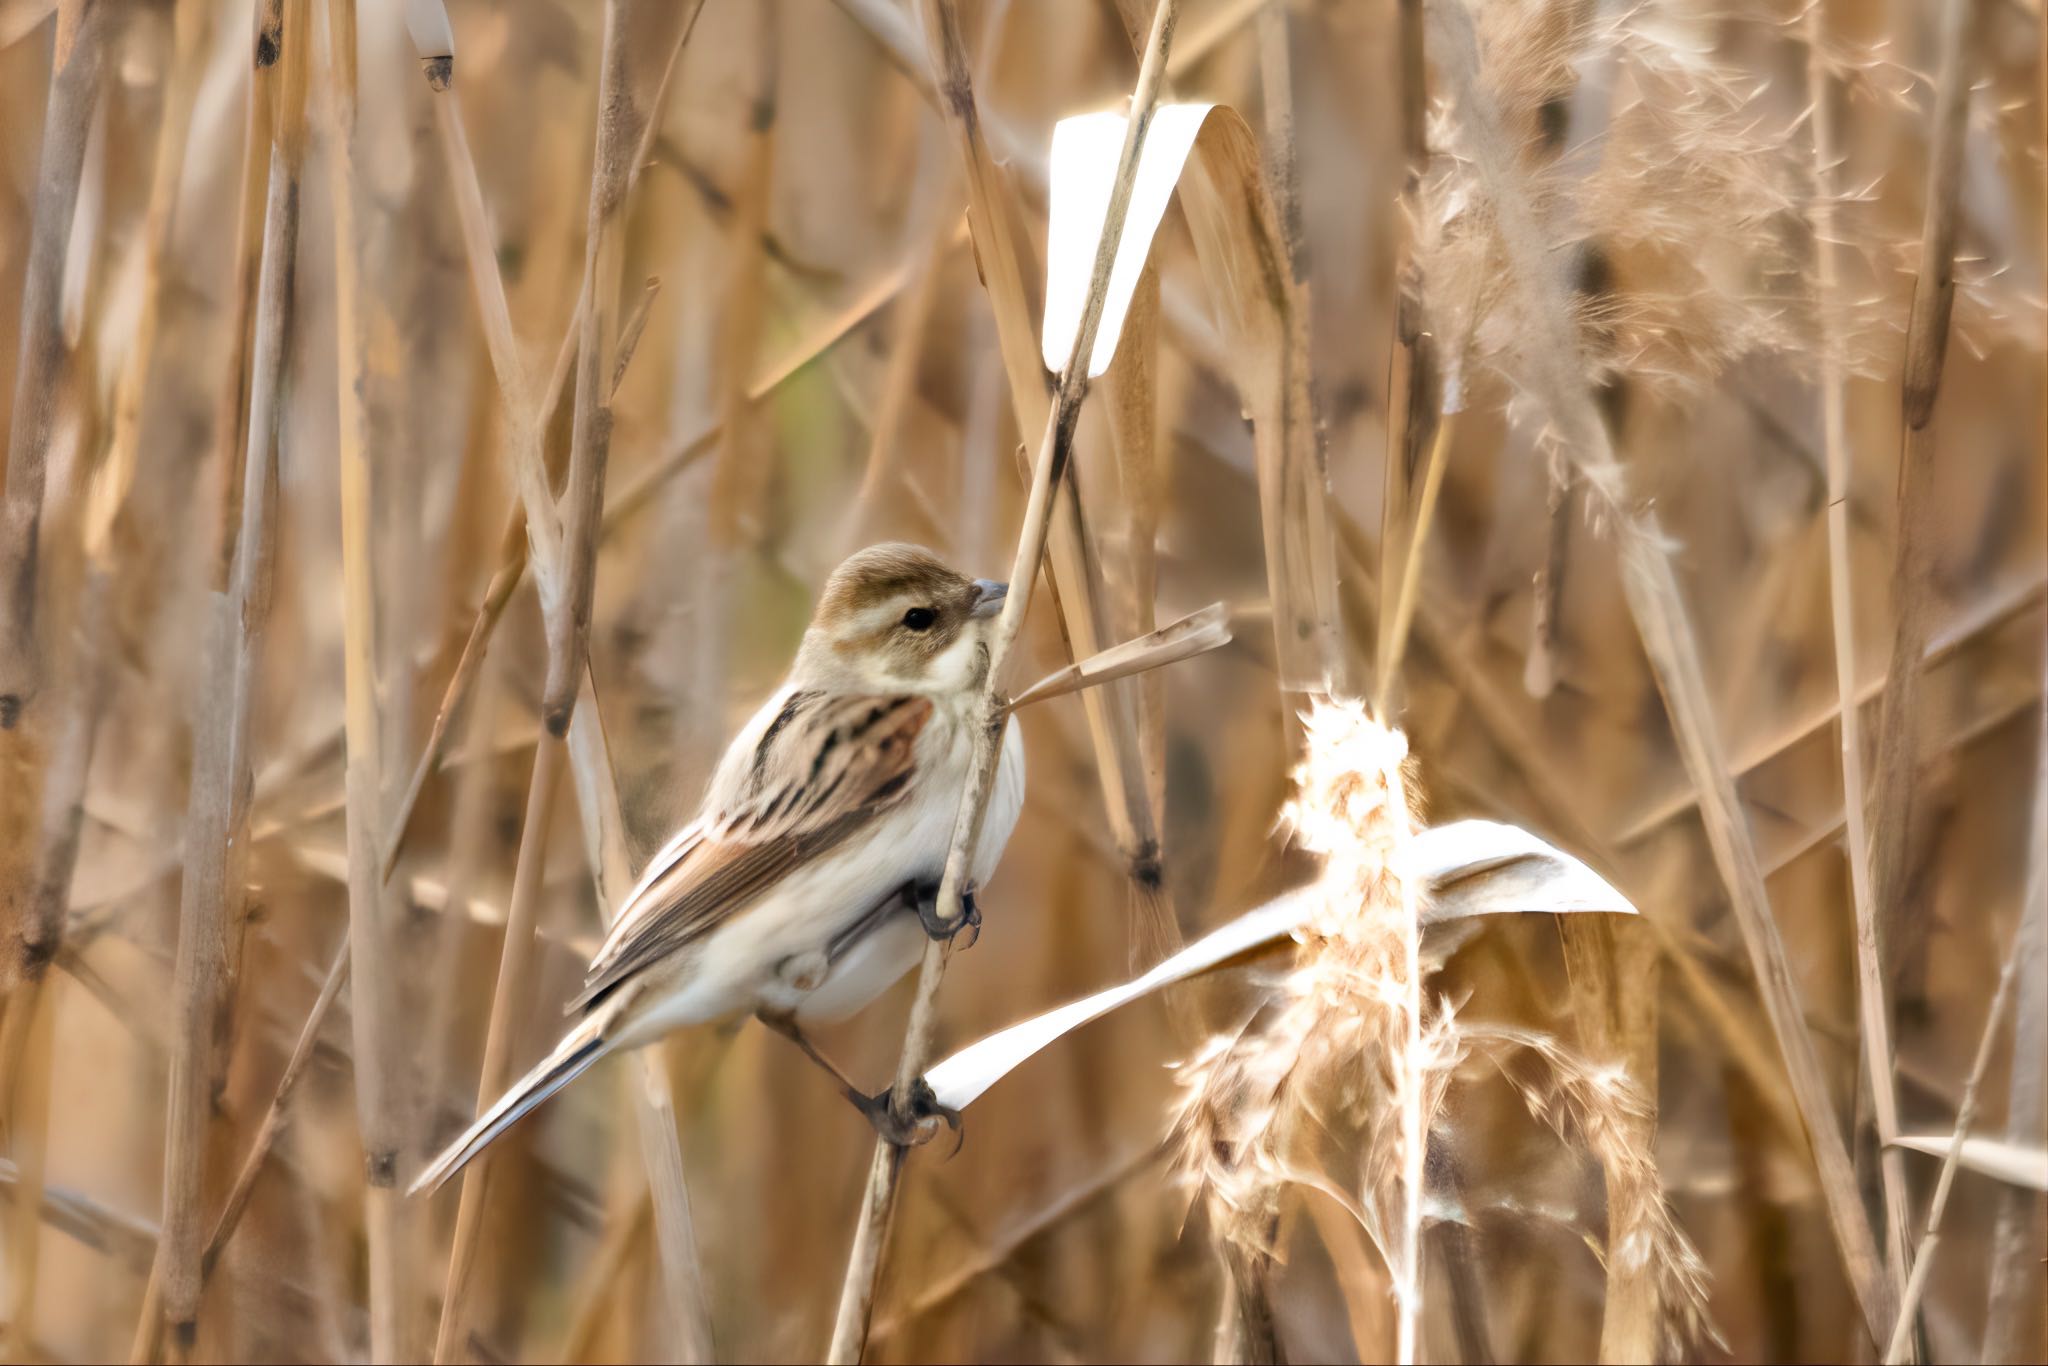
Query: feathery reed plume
(1597, 1107)
(1343, 1044)
(1686, 199)
(1348, 1058)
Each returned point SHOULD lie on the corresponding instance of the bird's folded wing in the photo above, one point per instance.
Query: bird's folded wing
(824, 768)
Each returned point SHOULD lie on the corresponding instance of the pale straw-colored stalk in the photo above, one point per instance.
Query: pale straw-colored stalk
(1873, 1008)
(374, 991)
(217, 817)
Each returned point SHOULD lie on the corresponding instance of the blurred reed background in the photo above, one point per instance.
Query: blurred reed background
(1607, 316)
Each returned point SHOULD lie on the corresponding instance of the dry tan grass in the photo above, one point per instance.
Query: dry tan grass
(1614, 392)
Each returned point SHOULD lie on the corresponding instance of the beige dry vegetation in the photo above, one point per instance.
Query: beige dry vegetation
(425, 430)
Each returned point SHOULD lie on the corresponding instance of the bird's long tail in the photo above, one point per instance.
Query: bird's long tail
(581, 1047)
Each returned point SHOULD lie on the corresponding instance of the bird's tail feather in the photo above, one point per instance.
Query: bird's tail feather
(583, 1046)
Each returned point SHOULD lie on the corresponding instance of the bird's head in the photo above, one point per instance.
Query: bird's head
(895, 618)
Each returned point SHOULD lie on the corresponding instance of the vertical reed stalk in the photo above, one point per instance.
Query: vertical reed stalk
(27, 1040)
(149, 1332)
(857, 1297)
(604, 849)
(231, 408)
(43, 363)
(1074, 578)
(1873, 1008)
(217, 816)
(621, 126)
(1913, 597)
(1614, 1001)
(1412, 398)
(619, 123)
(373, 995)
(512, 558)
(1414, 1102)
(91, 680)
(1399, 613)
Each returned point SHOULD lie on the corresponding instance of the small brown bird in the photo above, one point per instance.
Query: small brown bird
(807, 883)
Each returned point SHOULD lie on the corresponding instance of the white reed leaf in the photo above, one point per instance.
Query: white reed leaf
(1472, 868)
(1085, 150)
(2013, 1163)
(961, 1078)
(1486, 868)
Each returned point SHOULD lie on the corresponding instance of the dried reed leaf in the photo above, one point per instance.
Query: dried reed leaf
(1470, 868)
(2013, 1163)
(1084, 160)
(1194, 634)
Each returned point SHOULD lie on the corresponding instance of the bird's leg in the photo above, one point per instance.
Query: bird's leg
(787, 1027)
(912, 1128)
(925, 897)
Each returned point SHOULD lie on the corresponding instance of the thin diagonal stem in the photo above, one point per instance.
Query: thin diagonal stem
(857, 1297)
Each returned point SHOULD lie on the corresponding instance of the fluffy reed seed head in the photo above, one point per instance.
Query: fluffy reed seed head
(1328, 1047)
(1320, 1073)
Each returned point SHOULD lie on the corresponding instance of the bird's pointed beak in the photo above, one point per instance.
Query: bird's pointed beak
(988, 599)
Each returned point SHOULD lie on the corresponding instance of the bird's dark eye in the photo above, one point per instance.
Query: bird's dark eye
(920, 618)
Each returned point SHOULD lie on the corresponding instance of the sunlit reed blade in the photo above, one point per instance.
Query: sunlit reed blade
(1194, 634)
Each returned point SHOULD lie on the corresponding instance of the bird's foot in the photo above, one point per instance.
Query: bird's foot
(919, 1121)
(924, 896)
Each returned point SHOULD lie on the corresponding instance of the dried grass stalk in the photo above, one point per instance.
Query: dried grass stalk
(375, 991)
(1075, 581)
(1614, 1001)
(1242, 241)
(39, 378)
(217, 817)
(510, 997)
(857, 1298)
(1873, 1008)
(489, 284)
(1343, 1049)
(149, 1332)
(1913, 595)
(619, 125)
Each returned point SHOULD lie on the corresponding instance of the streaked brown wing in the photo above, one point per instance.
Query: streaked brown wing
(823, 769)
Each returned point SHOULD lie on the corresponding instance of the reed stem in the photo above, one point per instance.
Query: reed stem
(857, 1297)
